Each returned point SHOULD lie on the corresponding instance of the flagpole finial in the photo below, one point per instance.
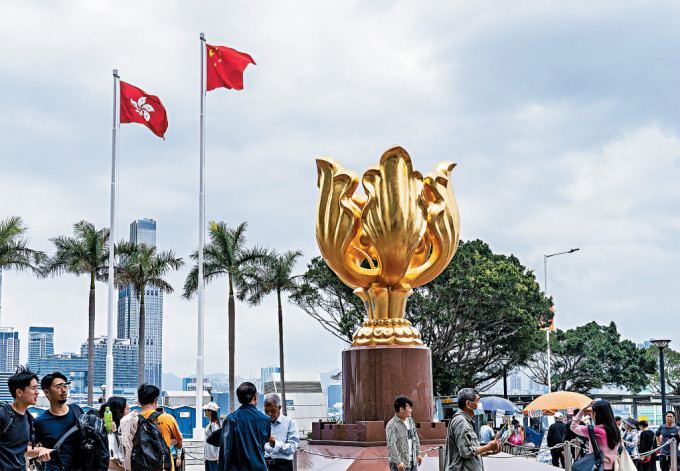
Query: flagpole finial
(202, 36)
(115, 72)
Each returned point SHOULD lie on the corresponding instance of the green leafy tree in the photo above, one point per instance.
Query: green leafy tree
(86, 253)
(224, 256)
(14, 251)
(481, 308)
(267, 275)
(141, 267)
(592, 356)
(671, 361)
(328, 300)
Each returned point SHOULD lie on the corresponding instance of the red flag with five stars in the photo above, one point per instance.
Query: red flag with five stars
(225, 67)
(137, 106)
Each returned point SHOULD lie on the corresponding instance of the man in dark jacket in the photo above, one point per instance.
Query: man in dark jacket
(556, 436)
(244, 434)
(576, 452)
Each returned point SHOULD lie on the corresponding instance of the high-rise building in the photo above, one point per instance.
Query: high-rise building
(5, 395)
(0, 295)
(266, 374)
(40, 344)
(124, 364)
(9, 349)
(74, 366)
(334, 394)
(71, 365)
(143, 231)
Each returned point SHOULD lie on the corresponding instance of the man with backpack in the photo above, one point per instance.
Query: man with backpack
(153, 433)
(16, 422)
(52, 424)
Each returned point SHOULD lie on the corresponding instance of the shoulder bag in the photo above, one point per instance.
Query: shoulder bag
(593, 461)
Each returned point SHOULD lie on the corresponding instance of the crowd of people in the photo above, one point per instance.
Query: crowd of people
(121, 440)
(613, 435)
(248, 439)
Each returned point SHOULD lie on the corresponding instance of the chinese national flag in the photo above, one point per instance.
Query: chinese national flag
(225, 67)
(137, 106)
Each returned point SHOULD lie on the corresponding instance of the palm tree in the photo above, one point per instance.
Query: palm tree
(86, 253)
(14, 251)
(142, 266)
(224, 255)
(271, 274)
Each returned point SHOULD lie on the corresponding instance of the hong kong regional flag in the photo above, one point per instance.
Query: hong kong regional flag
(225, 67)
(137, 106)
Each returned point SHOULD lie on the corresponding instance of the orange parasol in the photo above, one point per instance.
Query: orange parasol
(560, 400)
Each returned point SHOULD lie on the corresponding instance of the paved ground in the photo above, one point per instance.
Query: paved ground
(307, 462)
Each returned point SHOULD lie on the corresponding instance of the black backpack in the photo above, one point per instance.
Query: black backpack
(92, 452)
(150, 452)
(10, 412)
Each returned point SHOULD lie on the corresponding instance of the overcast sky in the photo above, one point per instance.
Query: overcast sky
(562, 117)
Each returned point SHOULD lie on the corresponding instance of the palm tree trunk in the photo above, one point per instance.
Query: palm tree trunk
(232, 346)
(90, 345)
(283, 377)
(142, 334)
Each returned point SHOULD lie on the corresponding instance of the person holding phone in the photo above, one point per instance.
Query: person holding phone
(463, 451)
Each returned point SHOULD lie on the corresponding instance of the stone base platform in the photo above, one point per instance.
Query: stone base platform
(371, 433)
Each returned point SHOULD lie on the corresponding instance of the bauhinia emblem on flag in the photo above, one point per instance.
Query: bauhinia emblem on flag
(137, 106)
(225, 67)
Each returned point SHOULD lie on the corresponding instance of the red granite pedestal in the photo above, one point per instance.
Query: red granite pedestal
(372, 378)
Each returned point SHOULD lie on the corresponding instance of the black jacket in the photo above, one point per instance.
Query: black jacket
(556, 433)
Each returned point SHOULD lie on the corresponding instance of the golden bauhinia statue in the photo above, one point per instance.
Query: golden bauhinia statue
(398, 236)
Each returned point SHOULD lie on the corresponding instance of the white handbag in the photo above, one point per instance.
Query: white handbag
(624, 462)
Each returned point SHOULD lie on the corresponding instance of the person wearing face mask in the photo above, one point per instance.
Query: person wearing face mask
(463, 451)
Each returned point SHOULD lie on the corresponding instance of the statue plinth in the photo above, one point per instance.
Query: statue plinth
(374, 376)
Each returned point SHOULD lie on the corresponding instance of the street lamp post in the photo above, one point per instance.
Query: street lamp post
(661, 344)
(545, 287)
(504, 362)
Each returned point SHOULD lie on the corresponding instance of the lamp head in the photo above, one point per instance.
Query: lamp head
(661, 343)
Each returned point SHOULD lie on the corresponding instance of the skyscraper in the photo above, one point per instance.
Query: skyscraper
(124, 364)
(40, 344)
(74, 366)
(143, 231)
(9, 349)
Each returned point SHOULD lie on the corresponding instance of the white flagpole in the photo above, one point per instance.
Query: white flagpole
(112, 237)
(200, 350)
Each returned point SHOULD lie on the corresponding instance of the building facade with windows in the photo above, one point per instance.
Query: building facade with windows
(124, 365)
(40, 344)
(143, 231)
(9, 349)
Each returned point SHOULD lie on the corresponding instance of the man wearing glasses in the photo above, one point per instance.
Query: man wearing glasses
(55, 422)
(463, 451)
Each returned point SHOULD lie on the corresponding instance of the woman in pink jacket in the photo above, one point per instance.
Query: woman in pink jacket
(607, 434)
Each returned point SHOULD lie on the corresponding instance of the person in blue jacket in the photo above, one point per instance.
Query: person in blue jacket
(244, 434)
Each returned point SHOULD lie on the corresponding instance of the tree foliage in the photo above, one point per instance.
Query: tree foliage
(328, 300)
(671, 361)
(225, 255)
(592, 356)
(86, 253)
(14, 251)
(271, 274)
(481, 308)
(141, 267)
